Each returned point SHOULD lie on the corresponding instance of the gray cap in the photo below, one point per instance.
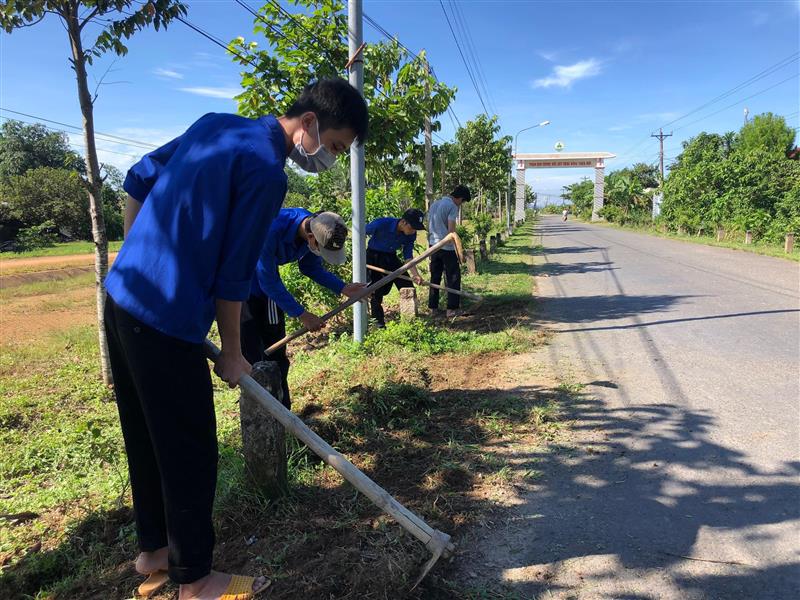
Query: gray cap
(331, 233)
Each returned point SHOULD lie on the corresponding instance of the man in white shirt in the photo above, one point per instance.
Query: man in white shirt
(442, 219)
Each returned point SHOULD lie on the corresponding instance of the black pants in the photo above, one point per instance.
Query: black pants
(166, 408)
(264, 323)
(447, 261)
(388, 262)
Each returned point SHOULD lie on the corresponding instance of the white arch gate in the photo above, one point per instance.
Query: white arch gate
(557, 160)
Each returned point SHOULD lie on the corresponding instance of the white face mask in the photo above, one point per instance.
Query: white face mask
(319, 160)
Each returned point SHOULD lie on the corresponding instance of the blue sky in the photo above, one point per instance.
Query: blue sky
(606, 74)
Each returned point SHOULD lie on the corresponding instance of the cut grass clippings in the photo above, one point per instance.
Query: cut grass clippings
(422, 407)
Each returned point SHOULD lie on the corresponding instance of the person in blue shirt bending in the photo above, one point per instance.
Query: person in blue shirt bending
(387, 236)
(296, 235)
(197, 215)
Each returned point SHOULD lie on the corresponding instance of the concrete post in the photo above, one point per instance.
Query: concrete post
(788, 247)
(599, 185)
(408, 303)
(469, 256)
(482, 248)
(720, 234)
(492, 244)
(263, 437)
(748, 237)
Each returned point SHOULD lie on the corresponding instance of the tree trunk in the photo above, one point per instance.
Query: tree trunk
(94, 184)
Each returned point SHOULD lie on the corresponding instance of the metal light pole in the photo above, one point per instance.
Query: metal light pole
(513, 156)
(355, 34)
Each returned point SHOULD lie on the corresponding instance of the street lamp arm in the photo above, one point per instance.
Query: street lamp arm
(543, 123)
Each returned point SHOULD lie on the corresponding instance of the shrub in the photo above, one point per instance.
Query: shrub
(43, 235)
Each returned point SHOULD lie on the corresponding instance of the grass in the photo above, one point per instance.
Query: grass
(400, 406)
(63, 249)
(757, 247)
(41, 288)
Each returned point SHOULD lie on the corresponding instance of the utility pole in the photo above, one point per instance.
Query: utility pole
(428, 148)
(442, 161)
(661, 135)
(355, 28)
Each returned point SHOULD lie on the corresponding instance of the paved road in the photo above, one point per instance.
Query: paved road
(683, 479)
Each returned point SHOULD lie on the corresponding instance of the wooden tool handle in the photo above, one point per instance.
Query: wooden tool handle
(429, 284)
(433, 539)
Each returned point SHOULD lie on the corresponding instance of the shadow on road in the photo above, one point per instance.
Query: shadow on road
(628, 507)
(588, 309)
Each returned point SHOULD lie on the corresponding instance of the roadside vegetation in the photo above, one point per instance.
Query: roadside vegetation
(734, 182)
(427, 408)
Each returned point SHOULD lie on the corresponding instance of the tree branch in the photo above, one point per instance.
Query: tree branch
(39, 20)
(99, 83)
(89, 18)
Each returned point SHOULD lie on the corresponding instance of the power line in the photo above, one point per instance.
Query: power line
(97, 134)
(758, 76)
(214, 40)
(737, 102)
(464, 60)
(470, 44)
(382, 30)
(279, 32)
(75, 144)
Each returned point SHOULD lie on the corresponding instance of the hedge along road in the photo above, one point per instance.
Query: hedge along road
(682, 481)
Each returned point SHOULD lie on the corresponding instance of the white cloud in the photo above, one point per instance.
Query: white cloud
(167, 73)
(565, 75)
(213, 92)
(548, 56)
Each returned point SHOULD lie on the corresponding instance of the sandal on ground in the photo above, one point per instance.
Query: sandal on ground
(154, 582)
(241, 588)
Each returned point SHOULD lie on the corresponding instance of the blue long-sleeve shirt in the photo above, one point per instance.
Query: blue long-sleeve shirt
(385, 237)
(209, 197)
(282, 247)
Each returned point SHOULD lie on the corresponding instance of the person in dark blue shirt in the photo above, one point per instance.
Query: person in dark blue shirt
(197, 215)
(296, 235)
(387, 236)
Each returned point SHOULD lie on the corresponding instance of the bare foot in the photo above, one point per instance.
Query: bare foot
(213, 586)
(150, 562)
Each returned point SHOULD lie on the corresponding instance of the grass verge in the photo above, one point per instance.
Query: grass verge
(426, 408)
(63, 249)
(757, 247)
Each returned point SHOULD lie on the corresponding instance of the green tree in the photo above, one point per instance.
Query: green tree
(581, 196)
(738, 182)
(766, 132)
(115, 21)
(24, 147)
(483, 159)
(646, 174)
(312, 44)
(49, 194)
